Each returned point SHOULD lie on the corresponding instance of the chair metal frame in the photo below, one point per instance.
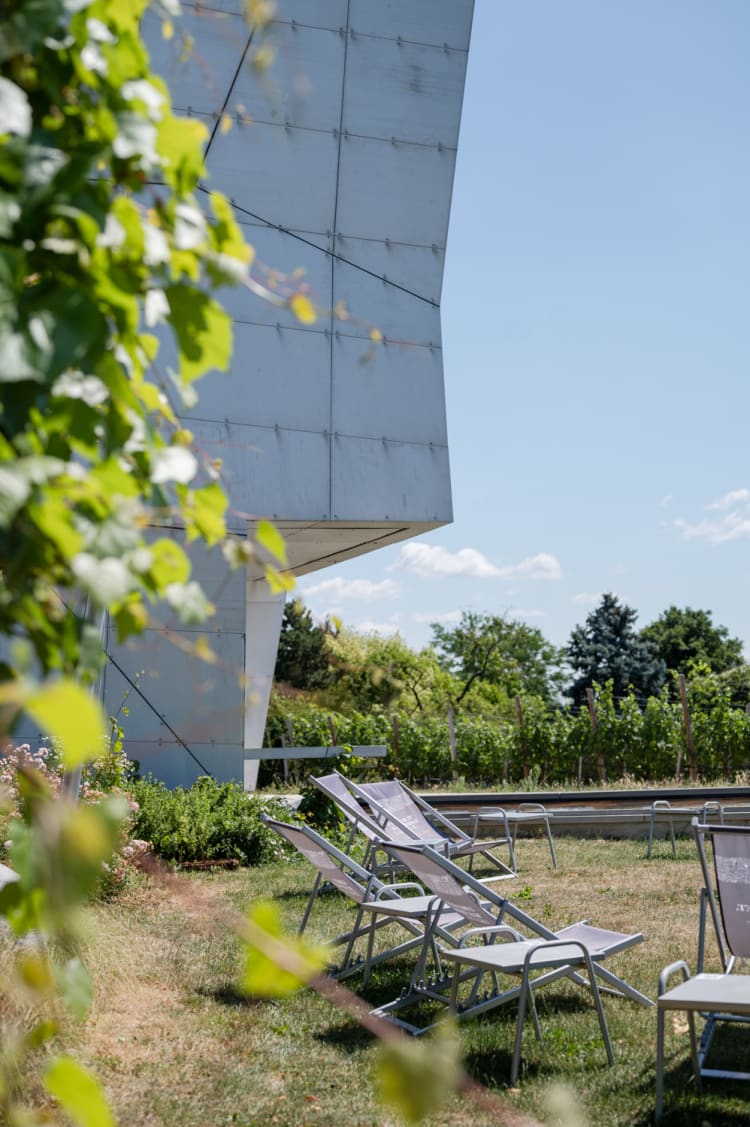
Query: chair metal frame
(723, 997)
(525, 814)
(377, 904)
(556, 954)
(403, 814)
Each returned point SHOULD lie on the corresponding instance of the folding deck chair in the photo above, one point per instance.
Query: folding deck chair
(399, 811)
(336, 787)
(554, 954)
(377, 904)
(724, 997)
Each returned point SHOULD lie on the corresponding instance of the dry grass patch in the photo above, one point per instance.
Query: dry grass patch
(174, 1044)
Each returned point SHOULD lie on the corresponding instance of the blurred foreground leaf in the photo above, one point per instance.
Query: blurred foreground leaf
(78, 1093)
(416, 1077)
(70, 715)
(276, 965)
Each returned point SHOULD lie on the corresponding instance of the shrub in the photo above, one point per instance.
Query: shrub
(101, 777)
(205, 822)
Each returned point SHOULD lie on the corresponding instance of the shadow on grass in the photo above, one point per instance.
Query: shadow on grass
(345, 1035)
(229, 994)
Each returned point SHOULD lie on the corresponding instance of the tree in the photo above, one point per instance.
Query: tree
(682, 637)
(490, 649)
(371, 670)
(302, 660)
(607, 648)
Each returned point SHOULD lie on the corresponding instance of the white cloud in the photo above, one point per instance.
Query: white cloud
(730, 499)
(541, 566)
(367, 626)
(732, 521)
(432, 560)
(429, 559)
(363, 589)
(586, 598)
(520, 613)
(447, 619)
(733, 526)
(666, 499)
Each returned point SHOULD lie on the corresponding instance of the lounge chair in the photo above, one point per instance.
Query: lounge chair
(400, 813)
(336, 787)
(717, 998)
(377, 904)
(554, 954)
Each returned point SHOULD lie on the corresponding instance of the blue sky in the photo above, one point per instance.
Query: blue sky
(596, 327)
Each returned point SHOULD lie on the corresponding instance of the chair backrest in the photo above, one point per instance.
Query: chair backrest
(731, 872)
(334, 786)
(356, 883)
(399, 811)
(424, 864)
(462, 891)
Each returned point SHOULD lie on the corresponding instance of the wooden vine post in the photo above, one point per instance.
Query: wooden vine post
(521, 740)
(601, 769)
(692, 768)
(452, 742)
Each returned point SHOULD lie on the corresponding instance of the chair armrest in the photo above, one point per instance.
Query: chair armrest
(504, 930)
(396, 889)
(497, 812)
(667, 973)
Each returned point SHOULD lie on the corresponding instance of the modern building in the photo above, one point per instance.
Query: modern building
(339, 162)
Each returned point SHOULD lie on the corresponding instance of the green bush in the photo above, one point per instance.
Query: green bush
(206, 822)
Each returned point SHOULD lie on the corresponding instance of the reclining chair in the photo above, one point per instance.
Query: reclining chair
(554, 954)
(717, 998)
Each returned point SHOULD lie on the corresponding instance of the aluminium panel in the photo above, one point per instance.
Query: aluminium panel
(283, 261)
(283, 176)
(170, 763)
(397, 395)
(200, 702)
(421, 21)
(313, 13)
(223, 587)
(284, 474)
(403, 90)
(394, 189)
(303, 85)
(399, 316)
(200, 80)
(373, 480)
(418, 269)
(279, 377)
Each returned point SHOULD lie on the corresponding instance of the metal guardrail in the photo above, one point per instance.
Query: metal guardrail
(363, 751)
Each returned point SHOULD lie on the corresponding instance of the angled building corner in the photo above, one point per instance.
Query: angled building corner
(340, 163)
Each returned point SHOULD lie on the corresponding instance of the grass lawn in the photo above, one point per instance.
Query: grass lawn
(174, 1044)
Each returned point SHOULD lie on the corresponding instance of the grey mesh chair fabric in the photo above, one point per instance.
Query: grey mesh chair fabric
(377, 904)
(553, 954)
(402, 814)
(336, 787)
(724, 997)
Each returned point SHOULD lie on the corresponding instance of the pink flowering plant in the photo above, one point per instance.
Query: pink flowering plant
(104, 777)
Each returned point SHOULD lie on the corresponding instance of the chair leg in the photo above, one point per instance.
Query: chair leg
(599, 1008)
(310, 902)
(551, 844)
(659, 1063)
(516, 1063)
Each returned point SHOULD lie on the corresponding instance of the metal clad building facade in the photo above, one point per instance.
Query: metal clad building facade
(345, 170)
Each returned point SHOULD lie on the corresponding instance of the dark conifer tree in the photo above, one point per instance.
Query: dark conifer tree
(608, 648)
